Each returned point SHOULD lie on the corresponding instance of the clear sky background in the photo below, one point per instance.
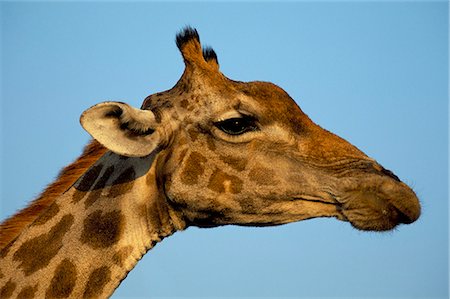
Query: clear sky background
(375, 73)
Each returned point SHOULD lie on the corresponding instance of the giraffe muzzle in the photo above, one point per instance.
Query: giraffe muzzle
(380, 203)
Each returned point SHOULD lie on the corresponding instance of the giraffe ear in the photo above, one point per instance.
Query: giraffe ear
(123, 129)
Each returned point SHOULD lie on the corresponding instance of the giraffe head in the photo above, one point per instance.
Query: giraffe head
(230, 152)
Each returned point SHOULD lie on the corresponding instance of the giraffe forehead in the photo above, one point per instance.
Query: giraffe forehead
(226, 99)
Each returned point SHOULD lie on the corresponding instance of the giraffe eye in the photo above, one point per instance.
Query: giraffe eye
(237, 125)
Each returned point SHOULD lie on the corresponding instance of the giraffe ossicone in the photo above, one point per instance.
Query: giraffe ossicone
(208, 152)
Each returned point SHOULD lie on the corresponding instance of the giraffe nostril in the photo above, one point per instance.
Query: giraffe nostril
(403, 217)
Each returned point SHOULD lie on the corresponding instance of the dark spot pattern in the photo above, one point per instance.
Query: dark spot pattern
(184, 103)
(27, 292)
(48, 214)
(237, 164)
(193, 134)
(193, 168)
(121, 255)
(102, 230)
(123, 183)
(128, 175)
(211, 143)
(36, 253)
(78, 195)
(218, 179)
(262, 176)
(7, 290)
(86, 182)
(88, 179)
(98, 188)
(96, 282)
(63, 281)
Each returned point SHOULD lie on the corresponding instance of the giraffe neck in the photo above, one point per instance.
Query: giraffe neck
(87, 241)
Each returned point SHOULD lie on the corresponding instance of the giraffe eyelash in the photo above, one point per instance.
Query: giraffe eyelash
(236, 126)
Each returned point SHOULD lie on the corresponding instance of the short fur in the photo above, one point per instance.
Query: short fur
(12, 226)
(94, 227)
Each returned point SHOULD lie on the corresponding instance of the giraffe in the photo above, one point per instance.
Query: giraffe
(208, 152)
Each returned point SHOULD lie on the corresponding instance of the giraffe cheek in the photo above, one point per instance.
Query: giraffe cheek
(262, 176)
(192, 168)
(221, 182)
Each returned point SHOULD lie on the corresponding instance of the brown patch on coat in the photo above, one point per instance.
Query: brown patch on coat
(63, 282)
(102, 230)
(86, 183)
(193, 134)
(51, 212)
(36, 253)
(222, 182)
(184, 103)
(28, 292)
(11, 227)
(123, 183)
(262, 176)
(88, 180)
(211, 143)
(96, 282)
(7, 290)
(98, 188)
(121, 255)
(238, 164)
(193, 168)
(78, 195)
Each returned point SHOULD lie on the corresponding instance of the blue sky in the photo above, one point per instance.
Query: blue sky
(375, 73)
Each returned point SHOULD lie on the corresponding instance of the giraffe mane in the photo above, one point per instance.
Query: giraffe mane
(12, 226)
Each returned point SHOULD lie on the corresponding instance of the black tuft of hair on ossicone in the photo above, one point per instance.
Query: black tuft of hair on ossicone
(186, 34)
(209, 54)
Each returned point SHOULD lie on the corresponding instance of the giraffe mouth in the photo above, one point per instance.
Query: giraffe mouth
(328, 201)
(329, 204)
(371, 209)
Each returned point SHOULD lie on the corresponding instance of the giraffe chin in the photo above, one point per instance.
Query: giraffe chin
(380, 208)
